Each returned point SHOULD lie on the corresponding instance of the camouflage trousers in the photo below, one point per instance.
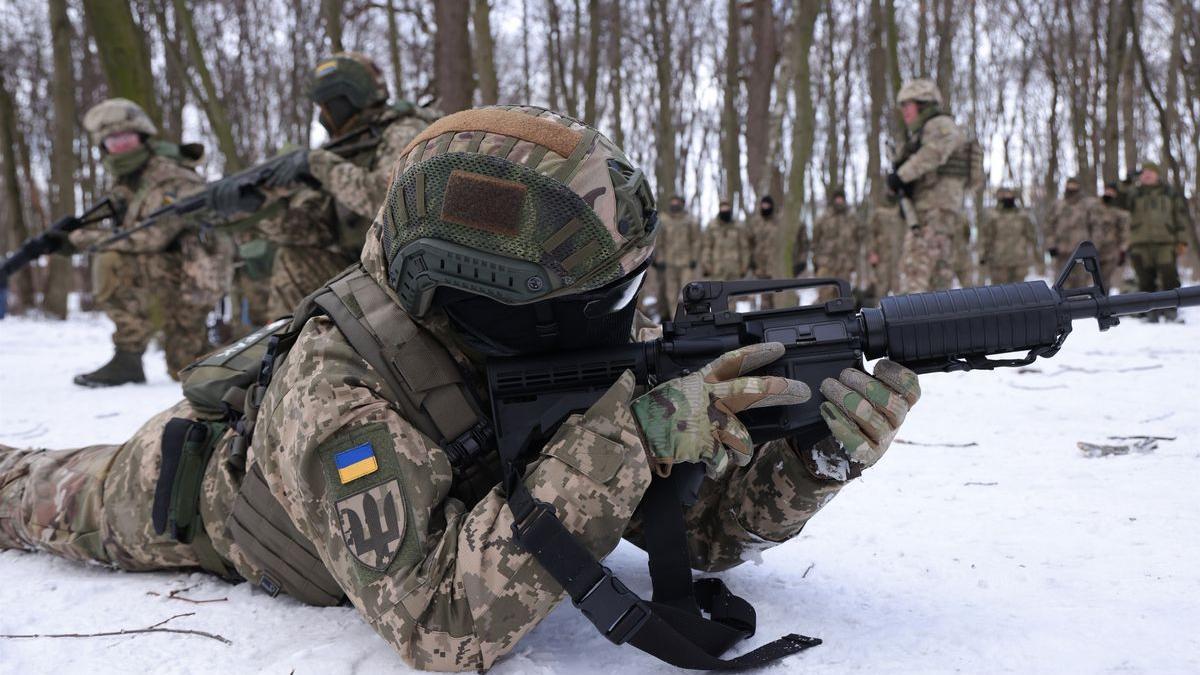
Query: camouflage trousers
(964, 265)
(1007, 274)
(184, 285)
(838, 267)
(928, 255)
(1155, 267)
(92, 504)
(673, 279)
(298, 271)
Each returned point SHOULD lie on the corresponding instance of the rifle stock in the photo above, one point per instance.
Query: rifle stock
(34, 247)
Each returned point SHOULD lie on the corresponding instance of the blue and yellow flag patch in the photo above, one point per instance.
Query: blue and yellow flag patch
(356, 462)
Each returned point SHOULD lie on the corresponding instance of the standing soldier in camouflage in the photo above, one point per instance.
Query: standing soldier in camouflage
(724, 247)
(1158, 226)
(837, 242)
(319, 231)
(1071, 220)
(766, 245)
(1007, 240)
(930, 169)
(676, 254)
(349, 486)
(886, 230)
(171, 265)
(1111, 235)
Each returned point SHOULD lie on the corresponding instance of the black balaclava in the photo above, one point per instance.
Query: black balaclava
(725, 214)
(766, 206)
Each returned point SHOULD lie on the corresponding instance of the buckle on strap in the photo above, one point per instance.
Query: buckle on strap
(613, 609)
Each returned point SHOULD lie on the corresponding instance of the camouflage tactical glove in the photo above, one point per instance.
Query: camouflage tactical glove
(694, 418)
(864, 413)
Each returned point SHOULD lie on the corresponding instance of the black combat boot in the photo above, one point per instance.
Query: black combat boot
(123, 368)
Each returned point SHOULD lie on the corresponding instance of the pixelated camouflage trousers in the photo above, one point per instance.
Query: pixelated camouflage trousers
(927, 262)
(94, 503)
(184, 285)
(1007, 274)
(298, 271)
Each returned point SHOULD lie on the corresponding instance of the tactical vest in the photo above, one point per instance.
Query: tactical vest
(1152, 217)
(226, 389)
(966, 162)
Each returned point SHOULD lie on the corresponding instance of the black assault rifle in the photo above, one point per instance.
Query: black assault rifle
(239, 195)
(50, 240)
(939, 331)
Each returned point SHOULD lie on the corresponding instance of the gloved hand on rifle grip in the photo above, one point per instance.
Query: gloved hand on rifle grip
(292, 169)
(694, 418)
(896, 184)
(232, 199)
(864, 413)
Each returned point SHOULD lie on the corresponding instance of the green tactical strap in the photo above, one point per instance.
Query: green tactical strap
(288, 561)
(184, 516)
(421, 374)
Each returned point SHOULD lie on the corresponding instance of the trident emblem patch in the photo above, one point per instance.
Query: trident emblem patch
(373, 524)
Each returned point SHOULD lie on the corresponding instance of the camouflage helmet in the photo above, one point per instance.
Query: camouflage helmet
(516, 204)
(116, 115)
(348, 74)
(920, 91)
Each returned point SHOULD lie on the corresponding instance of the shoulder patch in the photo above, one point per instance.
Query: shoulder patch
(372, 523)
(356, 462)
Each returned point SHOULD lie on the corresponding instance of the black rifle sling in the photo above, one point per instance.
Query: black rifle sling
(671, 628)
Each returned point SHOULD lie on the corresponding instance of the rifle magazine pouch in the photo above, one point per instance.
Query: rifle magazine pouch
(287, 560)
(186, 447)
(257, 256)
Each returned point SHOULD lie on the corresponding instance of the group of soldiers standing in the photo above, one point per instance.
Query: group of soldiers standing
(316, 209)
(1144, 222)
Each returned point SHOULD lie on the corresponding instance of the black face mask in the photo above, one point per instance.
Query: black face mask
(1070, 192)
(593, 319)
(766, 211)
(1108, 199)
(725, 216)
(336, 112)
(1008, 203)
(675, 207)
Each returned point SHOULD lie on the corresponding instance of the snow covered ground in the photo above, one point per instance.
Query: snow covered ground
(987, 542)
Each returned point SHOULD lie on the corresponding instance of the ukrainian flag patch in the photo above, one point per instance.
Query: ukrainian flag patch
(356, 462)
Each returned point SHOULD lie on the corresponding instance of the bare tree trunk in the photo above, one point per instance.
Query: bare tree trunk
(758, 95)
(394, 50)
(832, 114)
(452, 55)
(803, 128)
(485, 59)
(21, 292)
(1170, 120)
(1116, 56)
(214, 109)
(664, 137)
(946, 25)
(731, 127)
(923, 37)
(893, 53)
(525, 46)
(615, 78)
(593, 63)
(877, 87)
(331, 17)
(124, 55)
(1129, 120)
(62, 165)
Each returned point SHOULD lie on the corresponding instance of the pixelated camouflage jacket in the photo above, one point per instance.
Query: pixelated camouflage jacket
(160, 182)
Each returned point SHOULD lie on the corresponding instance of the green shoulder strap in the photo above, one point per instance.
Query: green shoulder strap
(424, 380)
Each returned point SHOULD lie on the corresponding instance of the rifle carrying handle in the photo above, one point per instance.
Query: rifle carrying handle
(941, 325)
